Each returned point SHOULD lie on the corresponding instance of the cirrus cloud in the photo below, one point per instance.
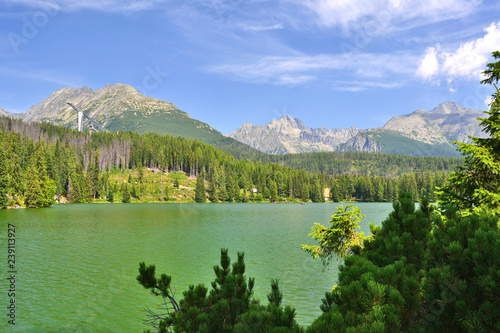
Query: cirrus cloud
(100, 5)
(298, 69)
(351, 13)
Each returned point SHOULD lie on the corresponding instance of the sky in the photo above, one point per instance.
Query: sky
(330, 63)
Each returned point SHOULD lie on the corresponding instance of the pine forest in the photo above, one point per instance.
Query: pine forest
(45, 164)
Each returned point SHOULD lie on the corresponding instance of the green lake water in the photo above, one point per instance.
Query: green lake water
(76, 264)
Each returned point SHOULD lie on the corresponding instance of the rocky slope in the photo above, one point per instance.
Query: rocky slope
(288, 135)
(4, 113)
(445, 123)
(423, 133)
(117, 107)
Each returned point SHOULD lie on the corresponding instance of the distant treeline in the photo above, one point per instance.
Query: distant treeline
(366, 164)
(337, 163)
(43, 159)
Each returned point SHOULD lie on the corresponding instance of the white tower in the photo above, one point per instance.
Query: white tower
(96, 127)
(80, 125)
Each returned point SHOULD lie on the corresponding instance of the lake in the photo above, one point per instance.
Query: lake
(76, 264)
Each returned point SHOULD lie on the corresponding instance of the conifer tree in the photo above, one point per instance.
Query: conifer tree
(232, 187)
(317, 191)
(462, 283)
(212, 195)
(4, 180)
(338, 240)
(227, 307)
(89, 187)
(111, 196)
(380, 192)
(492, 72)
(47, 186)
(200, 194)
(75, 188)
(273, 189)
(33, 190)
(476, 185)
(221, 185)
(16, 172)
(40, 190)
(334, 191)
(126, 194)
(134, 193)
(380, 287)
(140, 175)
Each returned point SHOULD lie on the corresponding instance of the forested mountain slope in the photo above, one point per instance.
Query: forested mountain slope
(77, 165)
(121, 107)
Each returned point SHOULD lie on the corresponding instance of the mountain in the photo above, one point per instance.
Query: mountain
(4, 113)
(119, 107)
(420, 133)
(288, 135)
(379, 140)
(122, 107)
(445, 123)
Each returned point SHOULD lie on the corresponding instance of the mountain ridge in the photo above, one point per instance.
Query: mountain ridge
(121, 107)
(290, 135)
(421, 132)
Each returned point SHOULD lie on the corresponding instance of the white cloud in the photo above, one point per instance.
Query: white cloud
(355, 86)
(352, 13)
(293, 70)
(290, 70)
(101, 5)
(429, 65)
(257, 28)
(291, 80)
(488, 101)
(467, 61)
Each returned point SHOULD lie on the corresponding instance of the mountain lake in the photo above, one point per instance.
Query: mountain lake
(76, 265)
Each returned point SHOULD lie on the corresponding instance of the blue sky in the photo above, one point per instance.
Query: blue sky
(331, 63)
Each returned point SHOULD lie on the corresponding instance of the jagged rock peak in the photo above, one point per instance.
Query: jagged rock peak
(287, 122)
(289, 135)
(71, 90)
(246, 125)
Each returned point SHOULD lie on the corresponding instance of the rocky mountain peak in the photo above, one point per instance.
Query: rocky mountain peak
(120, 107)
(117, 88)
(108, 101)
(286, 124)
(290, 135)
(70, 92)
(447, 122)
(406, 134)
(451, 108)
